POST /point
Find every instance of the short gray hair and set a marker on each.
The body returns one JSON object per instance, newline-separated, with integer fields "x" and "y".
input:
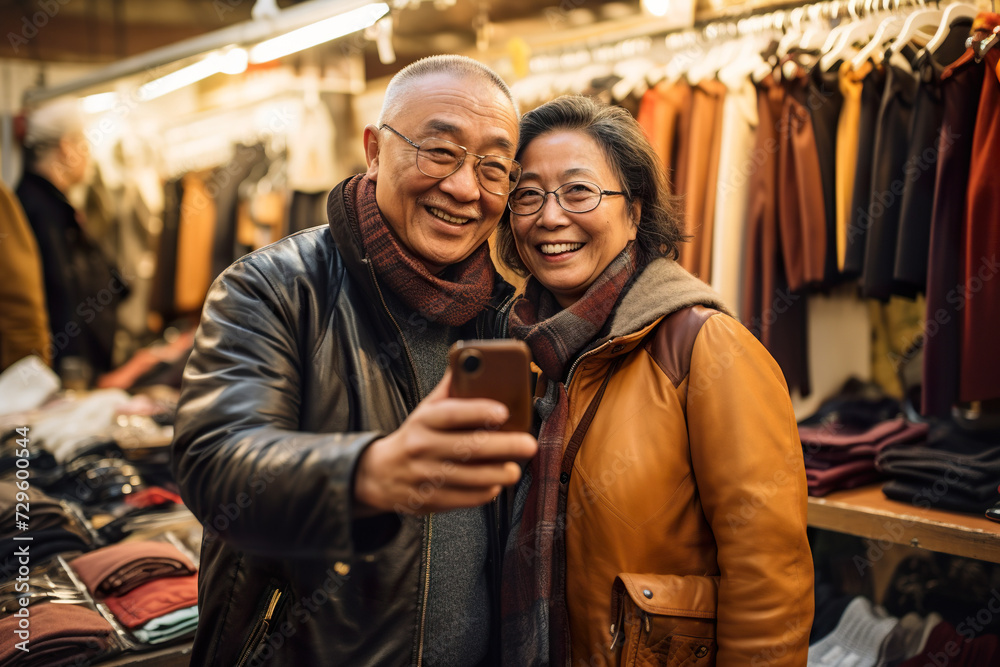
{"x": 441, "y": 64}
{"x": 47, "y": 124}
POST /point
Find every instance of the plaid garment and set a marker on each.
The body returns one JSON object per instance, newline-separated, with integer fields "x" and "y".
{"x": 452, "y": 301}
{"x": 535, "y": 627}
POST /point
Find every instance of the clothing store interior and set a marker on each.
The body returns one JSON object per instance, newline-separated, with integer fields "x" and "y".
{"x": 833, "y": 161}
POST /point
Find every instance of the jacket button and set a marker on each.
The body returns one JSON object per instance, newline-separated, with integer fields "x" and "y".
{"x": 648, "y": 593}
{"x": 701, "y": 652}
{"x": 341, "y": 568}
{"x": 564, "y": 477}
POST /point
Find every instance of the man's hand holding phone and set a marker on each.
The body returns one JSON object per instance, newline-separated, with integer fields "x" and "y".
{"x": 450, "y": 452}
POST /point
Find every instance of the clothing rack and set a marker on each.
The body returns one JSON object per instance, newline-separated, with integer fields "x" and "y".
{"x": 709, "y": 26}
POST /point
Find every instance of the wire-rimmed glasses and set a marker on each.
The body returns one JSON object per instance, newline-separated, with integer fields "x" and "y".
{"x": 440, "y": 158}
{"x": 574, "y": 197}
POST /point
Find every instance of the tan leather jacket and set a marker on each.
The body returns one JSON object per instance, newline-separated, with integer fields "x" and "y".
{"x": 686, "y": 506}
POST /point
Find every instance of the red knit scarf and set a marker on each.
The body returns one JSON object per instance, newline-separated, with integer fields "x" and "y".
{"x": 535, "y": 627}
{"x": 452, "y": 301}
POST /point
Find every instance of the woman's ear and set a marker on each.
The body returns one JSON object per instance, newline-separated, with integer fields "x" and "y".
{"x": 371, "y": 151}
{"x": 635, "y": 215}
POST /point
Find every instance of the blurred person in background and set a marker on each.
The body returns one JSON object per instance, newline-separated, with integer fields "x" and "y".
{"x": 82, "y": 289}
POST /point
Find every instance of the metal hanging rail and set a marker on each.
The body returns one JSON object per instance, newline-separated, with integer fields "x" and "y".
{"x": 247, "y": 32}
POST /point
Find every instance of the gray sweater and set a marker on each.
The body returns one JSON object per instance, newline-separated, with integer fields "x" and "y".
{"x": 458, "y": 602}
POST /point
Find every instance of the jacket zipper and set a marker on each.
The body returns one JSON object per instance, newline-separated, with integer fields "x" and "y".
{"x": 501, "y": 314}
{"x": 402, "y": 339}
{"x": 569, "y": 376}
{"x": 416, "y": 383}
{"x": 260, "y": 628}
{"x": 427, "y": 586}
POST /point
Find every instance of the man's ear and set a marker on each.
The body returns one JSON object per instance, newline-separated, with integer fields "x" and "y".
{"x": 371, "y": 151}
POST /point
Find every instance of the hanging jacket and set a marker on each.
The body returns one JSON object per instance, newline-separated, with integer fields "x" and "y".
{"x": 24, "y": 321}
{"x": 297, "y": 368}
{"x": 688, "y": 490}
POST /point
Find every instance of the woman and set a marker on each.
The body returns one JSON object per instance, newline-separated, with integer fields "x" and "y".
{"x": 664, "y": 517}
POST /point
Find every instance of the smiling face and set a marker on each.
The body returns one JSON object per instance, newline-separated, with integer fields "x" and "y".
{"x": 566, "y": 252}
{"x": 441, "y": 221}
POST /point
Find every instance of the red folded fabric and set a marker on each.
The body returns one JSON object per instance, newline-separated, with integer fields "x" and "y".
{"x": 119, "y": 568}
{"x": 60, "y": 635}
{"x": 154, "y": 599}
{"x": 152, "y": 496}
{"x": 839, "y": 437}
{"x": 845, "y": 476}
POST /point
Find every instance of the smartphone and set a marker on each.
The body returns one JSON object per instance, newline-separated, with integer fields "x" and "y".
{"x": 497, "y": 369}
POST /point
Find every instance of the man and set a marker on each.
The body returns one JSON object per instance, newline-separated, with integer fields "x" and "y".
{"x": 309, "y": 441}
{"x": 82, "y": 290}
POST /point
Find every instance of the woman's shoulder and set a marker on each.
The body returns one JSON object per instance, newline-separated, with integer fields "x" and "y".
{"x": 672, "y": 342}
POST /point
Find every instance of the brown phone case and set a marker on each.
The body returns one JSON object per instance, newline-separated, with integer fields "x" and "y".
{"x": 497, "y": 369}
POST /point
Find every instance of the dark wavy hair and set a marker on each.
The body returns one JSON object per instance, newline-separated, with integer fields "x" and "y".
{"x": 630, "y": 156}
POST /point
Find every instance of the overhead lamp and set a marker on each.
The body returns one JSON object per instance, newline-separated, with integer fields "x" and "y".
{"x": 99, "y": 103}
{"x": 233, "y": 61}
{"x": 656, "y": 7}
{"x": 318, "y": 33}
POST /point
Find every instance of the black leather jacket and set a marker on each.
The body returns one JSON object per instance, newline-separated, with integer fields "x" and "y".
{"x": 297, "y": 367}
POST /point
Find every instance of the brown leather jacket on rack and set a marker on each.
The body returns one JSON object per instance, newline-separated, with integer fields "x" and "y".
{"x": 24, "y": 322}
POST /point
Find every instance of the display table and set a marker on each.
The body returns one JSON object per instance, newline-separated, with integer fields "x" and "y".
{"x": 866, "y": 512}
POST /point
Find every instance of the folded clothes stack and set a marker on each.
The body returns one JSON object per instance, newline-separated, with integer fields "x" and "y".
{"x": 50, "y": 529}
{"x": 868, "y": 636}
{"x": 68, "y": 426}
{"x": 946, "y": 645}
{"x": 857, "y": 639}
{"x": 839, "y": 456}
{"x": 953, "y": 470}
{"x": 169, "y": 626}
{"x": 61, "y": 634}
{"x": 150, "y": 587}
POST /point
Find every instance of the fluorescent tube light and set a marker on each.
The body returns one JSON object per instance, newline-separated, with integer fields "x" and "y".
{"x": 231, "y": 62}
{"x": 99, "y": 103}
{"x": 656, "y": 7}
{"x": 318, "y": 33}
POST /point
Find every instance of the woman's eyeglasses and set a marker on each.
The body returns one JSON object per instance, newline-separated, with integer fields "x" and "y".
{"x": 574, "y": 197}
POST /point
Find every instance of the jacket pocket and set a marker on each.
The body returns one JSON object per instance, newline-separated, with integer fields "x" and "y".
{"x": 664, "y": 619}
{"x": 265, "y": 621}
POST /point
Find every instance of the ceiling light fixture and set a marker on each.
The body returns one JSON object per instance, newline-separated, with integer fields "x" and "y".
{"x": 318, "y": 33}
{"x": 656, "y": 7}
{"x": 99, "y": 103}
{"x": 233, "y": 61}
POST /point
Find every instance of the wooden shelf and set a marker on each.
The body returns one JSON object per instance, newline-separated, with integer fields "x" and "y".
{"x": 866, "y": 512}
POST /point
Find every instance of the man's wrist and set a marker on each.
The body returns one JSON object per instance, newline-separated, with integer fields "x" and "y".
{"x": 365, "y": 493}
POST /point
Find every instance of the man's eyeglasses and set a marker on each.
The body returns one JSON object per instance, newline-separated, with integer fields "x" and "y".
{"x": 440, "y": 158}
{"x": 574, "y": 197}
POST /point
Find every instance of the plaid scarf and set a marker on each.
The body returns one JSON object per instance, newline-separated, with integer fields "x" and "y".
{"x": 535, "y": 626}
{"x": 453, "y": 302}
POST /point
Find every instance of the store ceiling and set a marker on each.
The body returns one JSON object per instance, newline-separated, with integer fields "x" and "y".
{"x": 100, "y": 31}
